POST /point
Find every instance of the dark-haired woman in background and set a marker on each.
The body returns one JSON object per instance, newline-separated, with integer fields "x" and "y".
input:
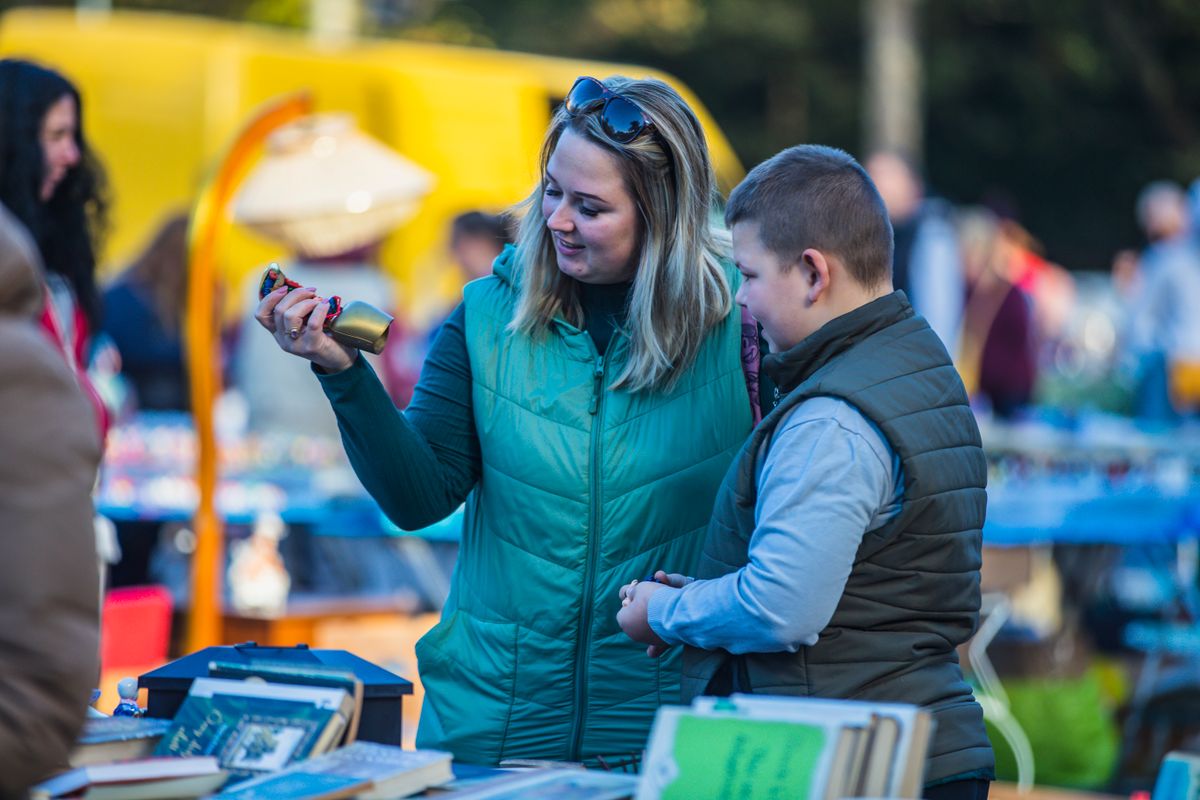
{"x": 51, "y": 182}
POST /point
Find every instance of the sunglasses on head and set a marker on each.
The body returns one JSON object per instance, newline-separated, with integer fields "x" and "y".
{"x": 620, "y": 118}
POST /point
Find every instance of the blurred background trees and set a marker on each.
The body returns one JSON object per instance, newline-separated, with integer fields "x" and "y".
{"x": 1054, "y": 112}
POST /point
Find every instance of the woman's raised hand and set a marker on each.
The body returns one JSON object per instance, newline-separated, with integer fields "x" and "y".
{"x": 284, "y": 313}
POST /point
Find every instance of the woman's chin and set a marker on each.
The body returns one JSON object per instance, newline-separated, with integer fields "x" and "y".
{"x": 572, "y": 267}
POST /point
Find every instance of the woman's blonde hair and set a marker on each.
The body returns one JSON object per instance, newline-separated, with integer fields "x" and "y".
{"x": 680, "y": 291}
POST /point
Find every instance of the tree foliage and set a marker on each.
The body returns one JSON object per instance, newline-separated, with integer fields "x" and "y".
{"x": 1058, "y": 112}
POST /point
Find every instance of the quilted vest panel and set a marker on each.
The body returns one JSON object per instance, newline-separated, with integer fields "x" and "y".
{"x": 583, "y": 488}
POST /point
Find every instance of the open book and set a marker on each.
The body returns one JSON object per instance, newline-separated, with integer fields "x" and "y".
{"x": 254, "y": 727}
{"x": 753, "y": 746}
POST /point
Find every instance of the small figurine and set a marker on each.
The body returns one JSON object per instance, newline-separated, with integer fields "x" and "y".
{"x": 128, "y": 707}
{"x": 258, "y": 578}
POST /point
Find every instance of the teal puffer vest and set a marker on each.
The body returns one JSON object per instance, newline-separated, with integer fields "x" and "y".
{"x": 913, "y": 594}
{"x": 582, "y": 489}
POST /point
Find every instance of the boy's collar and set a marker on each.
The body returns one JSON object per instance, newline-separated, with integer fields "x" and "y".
{"x": 790, "y": 368}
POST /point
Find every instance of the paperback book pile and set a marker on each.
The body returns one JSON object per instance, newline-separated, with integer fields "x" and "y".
{"x": 758, "y": 746}
{"x": 106, "y": 739}
{"x": 254, "y": 727}
{"x": 260, "y": 729}
{"x": 549, "y": 784}
{"x": 140, "y": 779}
{"x": 364, "y": 770}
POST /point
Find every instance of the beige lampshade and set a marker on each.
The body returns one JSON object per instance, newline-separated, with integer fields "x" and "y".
{"x": 323, "y": 188}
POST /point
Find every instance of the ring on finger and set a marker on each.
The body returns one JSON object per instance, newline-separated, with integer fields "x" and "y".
{"x": 294, "y": 333}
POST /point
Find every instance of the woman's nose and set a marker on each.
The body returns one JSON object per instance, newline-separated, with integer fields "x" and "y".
{"x": 70, "y": 153}
{"x": 559, "y": 219}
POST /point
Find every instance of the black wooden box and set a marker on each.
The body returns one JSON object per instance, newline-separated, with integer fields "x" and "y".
{"x": 383, "y": 691}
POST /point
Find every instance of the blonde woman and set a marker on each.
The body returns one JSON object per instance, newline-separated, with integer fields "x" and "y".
{"x": 586, "y": 400}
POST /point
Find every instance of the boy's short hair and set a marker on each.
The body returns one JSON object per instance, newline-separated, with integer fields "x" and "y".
{"x": 820, "y": 197}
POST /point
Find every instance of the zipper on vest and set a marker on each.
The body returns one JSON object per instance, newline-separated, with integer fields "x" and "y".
{"x": 597, "y": 385}
{"x": 589, "y": 568}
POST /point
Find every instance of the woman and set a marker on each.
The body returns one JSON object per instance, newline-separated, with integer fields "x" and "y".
{"x": 52, "y": 184}
{"x": 588, "y": 397}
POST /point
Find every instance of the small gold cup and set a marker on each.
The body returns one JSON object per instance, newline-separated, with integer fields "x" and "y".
{"x": 362, "y": 326}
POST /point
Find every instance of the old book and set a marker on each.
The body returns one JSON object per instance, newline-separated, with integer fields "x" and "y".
{"x": 846, "y": 766}
{"x": 254, "y": 727}
{"x": 719, "y": 752}
{"x": 365, "y": 770}
{"x": 142, "y": 779}
{"x": 1178, "y": 777}
{"x": 299, "y": 674}
{"x": 880, "y": 761}
{"x": 106, "y": 739}
{"x": 897, "y": 747}
{"x": 545, "y": 784}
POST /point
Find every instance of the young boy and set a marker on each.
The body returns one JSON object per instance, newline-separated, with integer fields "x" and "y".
{"x": 843, "y": 555}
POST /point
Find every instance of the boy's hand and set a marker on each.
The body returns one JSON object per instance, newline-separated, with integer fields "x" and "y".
{"x": 632, "y": 616}
{"x": 673, "y": 579}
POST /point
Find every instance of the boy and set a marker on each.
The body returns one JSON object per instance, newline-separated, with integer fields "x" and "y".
{"x": 843, "y": 555}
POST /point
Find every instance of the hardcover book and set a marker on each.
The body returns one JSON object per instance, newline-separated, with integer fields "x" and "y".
{"x": 364, "y": 770}
{"x": 106, "y": 739}
{"x": 299, "y": 674}
{"x": 143, "y": 779}
{"x": 758, "y": 746}
{"x": 551, "y": 784}
{"x": 253, "y": 727}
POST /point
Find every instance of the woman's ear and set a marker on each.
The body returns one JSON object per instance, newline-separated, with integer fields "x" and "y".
{"x": 816, "y": 273}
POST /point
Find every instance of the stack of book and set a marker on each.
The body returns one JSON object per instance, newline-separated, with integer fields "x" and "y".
{"x": 364, "y": 770}
{"x": 757, "y": 746}
{"x": 263, "y": 730}
{"x": 256, "y": 730}
{"x": 139, "y": 779}
{"x": 106, "y": 739}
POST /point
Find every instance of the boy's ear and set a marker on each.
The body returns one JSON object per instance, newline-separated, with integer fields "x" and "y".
{"x": 816, "y": 273}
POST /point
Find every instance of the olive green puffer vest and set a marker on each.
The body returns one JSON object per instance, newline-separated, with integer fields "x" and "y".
{"x": 582, "y": 489}
{"x": 913, "y": 594}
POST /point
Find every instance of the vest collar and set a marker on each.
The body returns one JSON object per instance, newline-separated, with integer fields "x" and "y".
{"x": 791, "y": 368}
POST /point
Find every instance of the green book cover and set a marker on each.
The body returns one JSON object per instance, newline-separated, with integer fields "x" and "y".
{"x": 251, "y": 727}
{"x": 697, "y": 756}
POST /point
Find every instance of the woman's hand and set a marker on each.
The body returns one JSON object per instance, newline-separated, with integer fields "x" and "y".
{"x": 283, "y": 314}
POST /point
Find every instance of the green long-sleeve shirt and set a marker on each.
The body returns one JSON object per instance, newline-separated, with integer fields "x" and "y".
{"x": 419, "y": 464}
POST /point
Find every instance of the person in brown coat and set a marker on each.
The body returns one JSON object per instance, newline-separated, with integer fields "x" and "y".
{"x": 49, "y": 586}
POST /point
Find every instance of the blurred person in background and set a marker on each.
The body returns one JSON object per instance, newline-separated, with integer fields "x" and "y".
{"x": 51, "y": 182}
{"x": 144, "y": 308}
{"x": 1163, "y": 334}
{"x": 49, "y": 598}
{"x": 998, "y": 358}
{"x": 585, "y": 400}
{"x": 926, "y": 263}
{"x": 1048, "y": 286}
{"x": 476, "y": 239}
